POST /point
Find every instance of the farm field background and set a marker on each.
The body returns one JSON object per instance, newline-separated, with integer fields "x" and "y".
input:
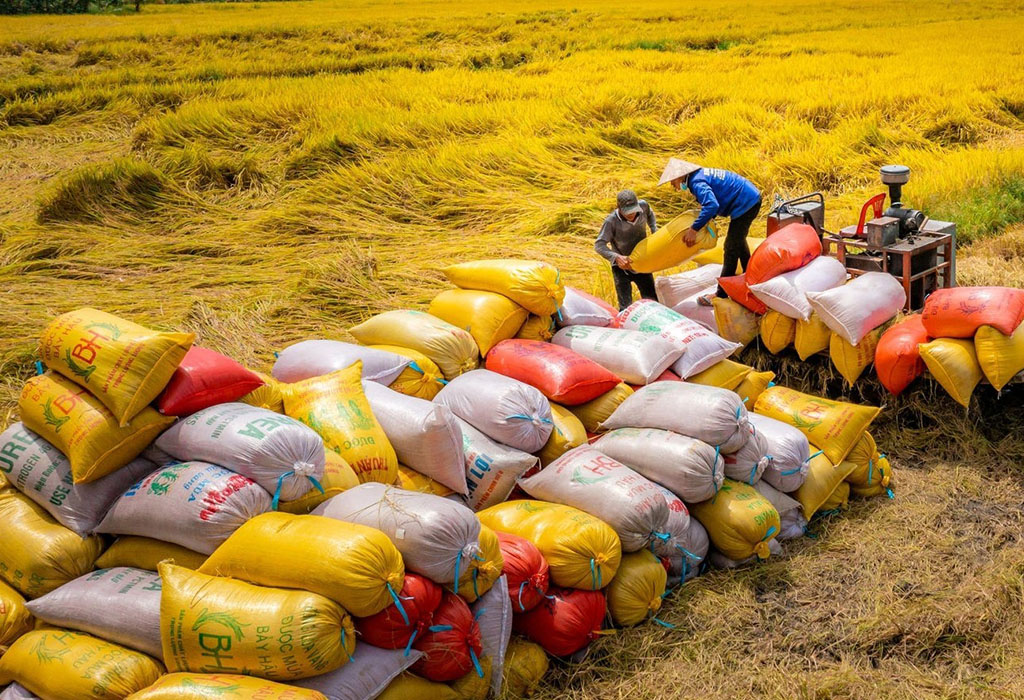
{"x": 264, "y": 173}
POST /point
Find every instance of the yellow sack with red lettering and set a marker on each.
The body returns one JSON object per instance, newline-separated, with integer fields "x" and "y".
{"x": 636, "y": 592}
{"x": 421, "y": 378}
{"x": 534, "y": 285}
{"x": 220, "y": 625}
{"x": 489, "y": 317}
{"x": 485, "y": 568}
{"x": 146, "y": 553}
{"x": 852, "y": 360}
{"x": 953, "y": 362}
{"x": 777, "y": 331}
{"x": 83, "y": 429}
{"x": 121, "y": 363}
{"x": 739, "y": 520}
{"x": 725, "y": 374}
{"x": 596, "y": 411}
{"x": 567, "y": 432}
{"x": 15, "y": 619}
{"x": 267, "y": 396}
{"x": 335, "y": 406}
{"x": 205, "y": 686}
{"x": 526, "y": 663}
{"x": 752, "y": 386}
{"x": 812, "y": 336}
{"x": 338, "y": 477}
{"x": 665, "y": 248}
{"x": 412, "y": 480}
{"x": 735, "y": 323}
{"x": 823, "y": 478}
{"x": 60, "y": 665}
{"x": 537, "y": 328}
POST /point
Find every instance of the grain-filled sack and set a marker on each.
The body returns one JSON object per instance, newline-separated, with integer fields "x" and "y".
{"x": 852, "y": 360}
{"x": 787, "y": 293}
{"x": 531, "y": 284}
{"x": 425, "y": 435}
{"x": 859, "y": 306}
{"x": 504, "y": 409}
{"x": 1001, "y": 356}
{"x": 694, "y": 309}
{"x": 753, "y": 385}
{"x": 484, "y": 570}
{"x": 712, "y": 415}
{"x": 739, "y": 291}
{"x": 674, "y": 289}
{"x": 897, "y": 357}
{"x": 493, "y": 613}
{"x": 568, "y": 620}
{"x": 792, "y": 523}
{"x": 412, "y": 480}
{"x": 839, "y": 500}
{"x": 492, "y": 469}
{"x": 812, "y": 336}
{"x": 36, "y": 553}
{"x": 267, "y": 395}
{"x": 451, "y": 645}
{"x": 537, "y": 328}
{"x": 862, "y": 453}
{"x": 636, "y": 592}
{"x": 777, "y": 331}
{"x": 682, "y": 547}
{"x": 146, "y": 553}
{"x": 725, "y": 374}
{"x": 41, "y": 472}
{"x": 210, "y": 624}
{"x": 734, "y": 322}
{"x": 689, "y": 468}
{"x": 84, "y": 430}
{"x": 701, "y": 347}
{"x": 593, "y": 413}
{"x": 526, "y": 664}
{"x": 719, "y": 561}
{"x": 836, "y": 426}
{"x": 338, "y": 477}
{"x": 582, "y": 309}
{"x": 953, "y": 362}
{"x": 397, "y": 625}
{"x": 638, "y": 358}
{"x": 567, "y": 432}
{"x": 697, "y": 547}
{"x": 353, "y": 565}
{"x": 336, "y": 407}
{"x": 124, "y": 365}
{"x": 666, "y": 248}
{"x": 62, "y": 665}
{"x": 409, "y": 686}
{"x": 739, "y": 520}
{"x": 749, "y": 462}
{"x": 525, "y": 570}
{"x": 562, "y": 375}
{"x": 581, "y": 550}
{"x": 872, "y": 478}
{"x": 789, "y": 248}
{"x": 490, "y": 318}
{"x": 203, "y": 686}
{"x": 120, "y": 605}
{"x": 788, "y": 449}
{"x": 15, "y": 619}
{"x": 279, "y": 453}
{"x": 437, "y": 537}
{"x": 452, "y": 349}
{"x": 421, "y": 378}
{"x": 365, "y": 676}
{"x": 959, "y": 312}
{"x": 315, "y": 358}
{"x": 587, "y": 479}
{"x": 823, "y": 477}
{"x": 205, "y": 378}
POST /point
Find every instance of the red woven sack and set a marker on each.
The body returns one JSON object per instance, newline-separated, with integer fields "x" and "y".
{"x": 789, "y": 248}
{"x": 568, "y": 620}
{"x": 526, "y": 570}
{"x": 564, "y": 376}
{"x": 959, "y": 312}
{"x": 394, "y": 627}
{"x": 205, "y": 378}
{"x": 897, "y": 360}
{"x": 738, "y": 290}
{"x": 451, "y": 645}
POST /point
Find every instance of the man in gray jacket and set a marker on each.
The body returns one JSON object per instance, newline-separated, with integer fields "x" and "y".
{"x": 621, "y": 231}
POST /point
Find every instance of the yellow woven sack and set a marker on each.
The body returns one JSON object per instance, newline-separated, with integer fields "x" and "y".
{"x": 596, "y": 411}
{"x": 524, "y": 669}
{"x": 1001, "y": 356}
{"x": 205, "y": 686}
{"x": 665, "y": 247}
{"x": 812, "y": 336}
{"x": 410, "y": 687}
{"x": 15, "y": 619}
{"x": 852, "y": 360}
{"x": 452, "y": 349}
{"x": 637, "y": 589}
{"x": 567, "y": 432}
{"x": 485, "y": 570}
{"x": 753, "y": 385}
{"x": 954, "y": 365}
{"x": 537, "y": 328}
{"x": 412, "y": 480}
{"x": 739, "y": 520}
{"x": 881, "y": 481}
{"x": 823, "y": 477}
{"x": 725, "y": 374}
{"x": 863, "y": 451}
{"x": 473, "y": 686}
{"x": 146, "y": 553}
{"x": 714, "y": 255}
{"x": 267, "y": 396}
{"x": 581, "y": 551}
{"x": 872, "y": 467}
{"x": 335, "y": 406}
{"x": 338, "y": 477}
{"x": 355, "y": 566}
{"x": 76, "y": 423}
{"x": 219, "y": 625}
{"x": 490, "y": 318}
{"x": 60, "y": 665}
{"x": 735, "y": 323}
{"x": 777, "y": 331}
{"x": 533, "y": 285}
{"x": 835, "y": 426}
{"x": 839, "y": 500}
{"x": 37, "y": 554}
{"x": 421, "y": 378}
{"x": 121, "y": 363}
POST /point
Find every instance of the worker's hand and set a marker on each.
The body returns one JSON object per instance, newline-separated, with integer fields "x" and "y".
{"x": 623, "y": 262}
{"x": 690, "y": 237}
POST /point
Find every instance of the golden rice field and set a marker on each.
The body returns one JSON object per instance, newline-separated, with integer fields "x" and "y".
{"x": 262, "y": 173}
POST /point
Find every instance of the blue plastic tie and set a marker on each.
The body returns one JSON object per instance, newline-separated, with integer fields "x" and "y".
{"x": 789, "y": 472}
{"x": 39, "y": 367}
{"x": 595, "y": 576}
{"x": 412, "y": 638}
{"x": 458, "y": 565}
{"x": 478, "y": 613}
{"x": 753, "y": 474}
{"x": 440, "y": 628}
{"x": 398, "y": 604}
{"x": 415, "y": 367}
{"x": 530, "y": 418}
{"x": 476, "y": 591}
{"x": 770, "y": 385}
{"x": 476, "y": 662}
{"x": 277, "y": 491}
{"x": 667, "y": 625}
{"x": 343, "y": 647}
{"x": 522, "y": 608}
{"x": 889, "y": 493}
{"x": 816, "y": 454}
{"x": 871, "y": 469}
{"x": 276, "y": 354}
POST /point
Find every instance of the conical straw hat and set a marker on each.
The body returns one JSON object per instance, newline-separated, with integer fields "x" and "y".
{"x": 677, "y": 167}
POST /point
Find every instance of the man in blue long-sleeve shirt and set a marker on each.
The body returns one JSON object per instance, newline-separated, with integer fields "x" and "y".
{"x": 720, "y": 193}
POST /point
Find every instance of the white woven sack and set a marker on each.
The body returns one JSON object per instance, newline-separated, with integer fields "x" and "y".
{"x": 673, "y": 545}
{"x": 366, "y": 675}
{"x": 788, "y": 448}
{"x": 691, "y": 308}
{"x": 673, "y": 289}
{"x": 493, "y": 613}
{"x": 859, "y": 306}
{"x": 492, "y": 469}
{"x": 315, "y": 358}
{"x": 502, "y": 408}
{"x": 637, "y": 358}
{"x": 793, "y": 524}
{"x": 597, "y": 484}
{"x": 16, "y": 692}
{"x": 787, "y": 293}
{"x": 578, "y": 310}
{"x": 749, "y": 462}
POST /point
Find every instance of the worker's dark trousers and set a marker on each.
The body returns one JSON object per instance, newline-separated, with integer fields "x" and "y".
{"x": 623, "y": 285}
{"x": 736, "y": 249}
